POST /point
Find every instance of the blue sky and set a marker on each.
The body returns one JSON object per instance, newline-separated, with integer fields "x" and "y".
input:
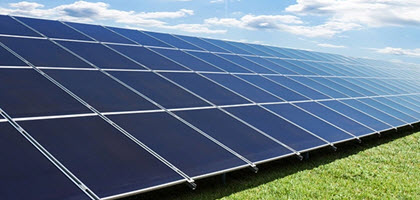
{"x": 380, "y": 29}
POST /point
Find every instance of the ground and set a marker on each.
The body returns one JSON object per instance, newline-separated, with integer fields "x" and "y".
{"x": 386, "y": 167}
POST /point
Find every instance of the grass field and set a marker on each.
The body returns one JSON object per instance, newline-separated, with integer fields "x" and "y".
{"x": 379, "y": 168}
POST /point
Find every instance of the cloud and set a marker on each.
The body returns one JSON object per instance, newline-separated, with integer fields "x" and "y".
{"x": 100, "y": 12}
{"x": 217, "y": 1}
{"x": 331, "y": 45}
{"x": 399, "y": 51}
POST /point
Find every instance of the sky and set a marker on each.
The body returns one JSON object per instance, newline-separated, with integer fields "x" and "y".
{"x": 378, "y": 29}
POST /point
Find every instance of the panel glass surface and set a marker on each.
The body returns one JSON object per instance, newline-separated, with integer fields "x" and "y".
{"x": 99, "y": 33}
{"x": 318, "y": 86}
{"x": 335, "y": 118}
{"x": 43, "y": 53}
{"x": 309, "y": 67}
{"x": 9, "y": 26}
{"x": 181, "y": 145}
{"x": 206, "y": 89}
{"x": 268, "y": 50}
{"x": 302, "y": 89}
{"x": 148, "y": 58}
{"x": 247, "y": 63}
{"x": 309, "y": 122}
{"x": 140, "y": 37}
{"x": 202, "y": 44}
{"x": 291, "y": 67}
{"x": 225, "y": 45}
{"x": 172, "y": 40}
{"x": 26, "y": 174}
{"x": 241, "y": 138}
{"x": 249, "y": 91}
{"x": 327, "y": 82}
{"x": 276, "y": 127}
{"x": 248, "y": 48}
{"x": 357, "y": 115}
{"x": 389, "y": 110}
{"x": 219, "y": 62}
{"x": 101, "y": 56}
{"x": 270, "y": 65}
{"x": 159, "y": 90}
{"x": 401, "y": 106}
{"x": 53, "y": 29}
{"x": 108, "y": 162}
{"x": 187, "y": 60}
{"x": 100, "y": 91}
{"x": 25, "y": 93}
{"x": 8, "y": 59}
{"x": 374, "y": 112}
{"x": 274, "y": 88}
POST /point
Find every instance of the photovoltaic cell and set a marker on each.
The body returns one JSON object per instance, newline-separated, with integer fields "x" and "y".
{"x": 99, "y": 33}
{"x": 399, "y": 106}
{"x": 187, "y": 60}
{"x": 172, "y": 40}
{"x": 202, "y": 44}
{"x": 53, "y": 29}
{"x": 219, "y": 62}
{"x": 140, "y": 37}
{"x": 43, "y": 53}
{"x": 291, "y": 67}
{"x": 248, "y": 48}
{"x": 389, "y": 110}
{"x": 8, "y": 59}
{"x": 243, "y": 88}
{"x": 270, "y": 65}
{"x": 119, "y": 164}
{"x": 26, "y": 174}
{"x": 100, "y": 55}
{"x": 206, "y": 89}
{"x": 148, "y": 58}
{"x": 278, "y": 128}
{"x": 89, "y": 85}
{"x": 160, "y": 90}
{"x": 25, "y": 93}
{"x": 227, "y": 46}
{"x": 302, "y": 89}
{"x": 239, "y": 60}
{"x": 309, "y": 122}
{"x": 184, "y": 147}
{"x": 234, "y": 134}
{"x": 9, "y": 26}
{"x": 318, "y": 86}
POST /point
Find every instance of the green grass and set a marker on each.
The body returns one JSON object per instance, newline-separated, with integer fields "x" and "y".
{"x": 379, "y": 168}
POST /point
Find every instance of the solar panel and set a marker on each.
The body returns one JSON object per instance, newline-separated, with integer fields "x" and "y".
{"x": 104, "y": 112}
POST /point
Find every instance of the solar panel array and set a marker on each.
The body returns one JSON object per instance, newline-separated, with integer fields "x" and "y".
{"x": 101, "y": 112}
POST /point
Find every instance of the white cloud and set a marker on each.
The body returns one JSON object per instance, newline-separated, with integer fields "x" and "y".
{"x": 331, "y": 45}
{"x": 399, "y": 51}
{"x": 254, "y": 22}
{"x": 82, "y": 11}
{"x": 217, "y": 1}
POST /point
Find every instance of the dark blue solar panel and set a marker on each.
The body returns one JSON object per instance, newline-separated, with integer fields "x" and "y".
{"x": 356, "y": 115}
{"x": 353, "y": 86}
{"x": 309, "y": 68}
{"x": 8, "y": 59}
{"x": 399, "y": 105}
{"x": 389, "y": 110}
{"x": 249, "y": 91}
{"x": 320, "y": 87}
{"x": 274, "y": 88}
{"x": 25, "y": 93}
{"x": 327, "y": 82}
{"x": 247, "y": 64}
{"x": 302, "y": 89}
{"x": 206, "y": 89}
{"x": 270, "y": 65}
{"x": 187, "y": 60}
{"x": 227, "y": 46}
{"x": 276, "y": 127}
{"x": 43, "y": 53}
{"x": 356, "y": 81}
{"x": 148, "y": 58}
{"x": 181, "y": 145}
{"x": 9, "y": 26}
{"x": 202, "y": 44}
{"x": 100, "y": 91}
{"x": 219, "y": 62}
{"x": 174, "y": 41}
{"x": 335, "y": 118}
{"x": 140, "y": 37}
{"x": 374, "y": 112}
{"x": 234, "y": 134}
{"x": 403, "y": 101}
{"x": 53, "y": 29}
{"x": 291, "y": 67}
{"x": 100, "y": 33}
{"x": 285, "y": 52}
{"x": 248, "y": 48}
{"x": 160, "y": 90}
{"x": 268, "y": 50}
{"x": 26, "y": 174}
{"x": 108, "y": 162}
{"x": 101, "y": 56}
{"x": 309, "y": 122}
